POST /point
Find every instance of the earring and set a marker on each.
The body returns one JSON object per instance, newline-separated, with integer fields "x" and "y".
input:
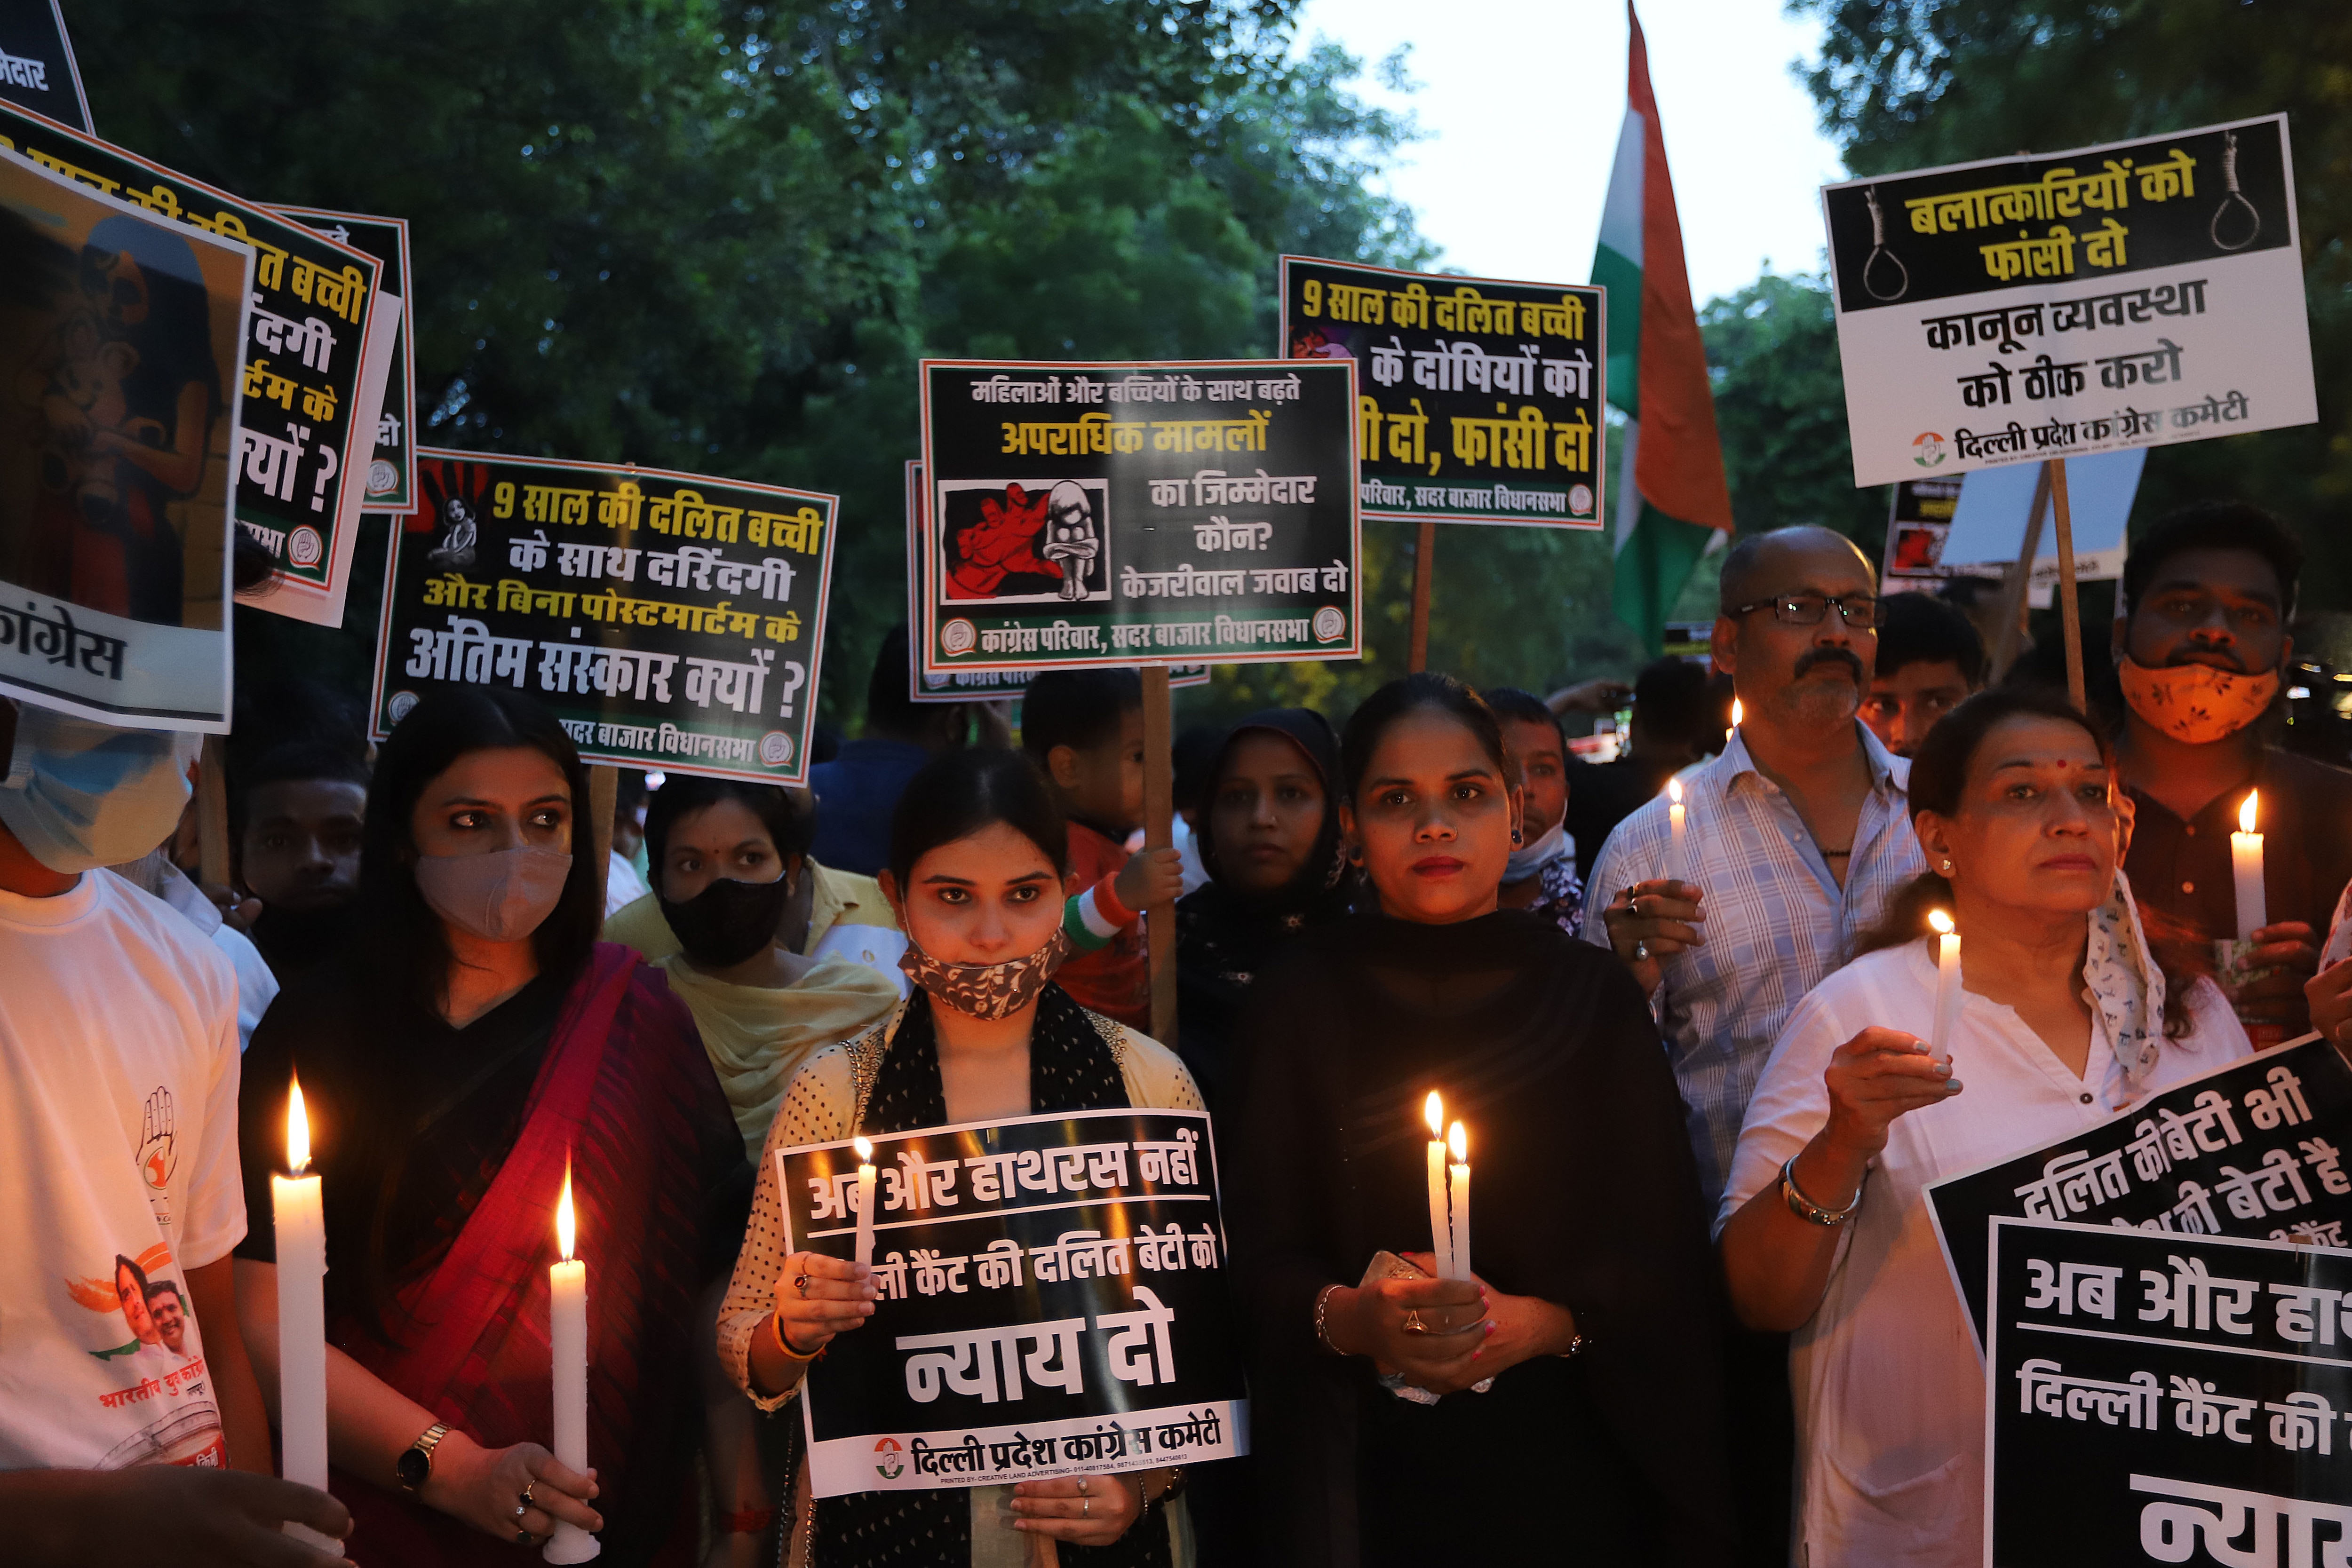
{"x": 1948, "y": 868}
{"x": 1518, "y": 837}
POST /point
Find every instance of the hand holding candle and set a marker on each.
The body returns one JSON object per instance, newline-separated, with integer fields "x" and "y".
{"x": 2246, "y": 869}
{"x": 301, "y": 1236}
{"x": 567, "y": 1313}
{"x": 1433, "y": 1109}
{"x": 865, "y": 1201}
{"x": 1948, "y": 983}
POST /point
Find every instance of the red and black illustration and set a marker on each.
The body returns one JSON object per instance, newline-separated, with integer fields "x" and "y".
{"x": 1025, "y": 543}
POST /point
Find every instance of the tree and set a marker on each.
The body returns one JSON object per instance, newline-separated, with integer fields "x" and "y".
{"x": 1907, "y": 83}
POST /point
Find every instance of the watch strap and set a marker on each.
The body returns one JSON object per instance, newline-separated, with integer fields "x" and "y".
{"x": 416, "y": 1459}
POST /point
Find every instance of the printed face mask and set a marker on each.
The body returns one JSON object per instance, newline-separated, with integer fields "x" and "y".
{"x": 80, "y": 795}
{"x": 728, "y": 921}
{"x": 2197, "y": 704}
{"x": 1529, "y": 859}
{"x": 986, "y": 991}
{"x": 501, "y": 897}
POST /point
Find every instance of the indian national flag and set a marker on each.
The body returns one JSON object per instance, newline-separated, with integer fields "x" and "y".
{"x": 1671, "y": 499}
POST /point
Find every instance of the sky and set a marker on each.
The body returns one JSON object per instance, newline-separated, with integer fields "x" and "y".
{"x": 1521, "y": 101}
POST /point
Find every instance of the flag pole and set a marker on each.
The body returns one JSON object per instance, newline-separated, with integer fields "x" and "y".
{"x": 1425, "y": 565}
{"x": 2070, "y": 613}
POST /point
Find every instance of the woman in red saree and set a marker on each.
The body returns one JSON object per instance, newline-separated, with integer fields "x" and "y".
{"x": 474, "y": 1042}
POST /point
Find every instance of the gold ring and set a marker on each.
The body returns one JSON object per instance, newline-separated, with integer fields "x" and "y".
{"x": 527, "y": 1490}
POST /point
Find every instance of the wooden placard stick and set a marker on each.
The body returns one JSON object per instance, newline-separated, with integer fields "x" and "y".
{"x": 2012, "y": 600}
{"x": 212, "y": 814}
{"x": 1424, "y": 563}
{"x": 604, "y": 790}
{"x": 2069, "y": 613}
{"x": 1159, "y": 811}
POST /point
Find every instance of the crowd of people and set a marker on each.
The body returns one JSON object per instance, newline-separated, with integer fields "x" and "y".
{"x": 1710, "y": 1321}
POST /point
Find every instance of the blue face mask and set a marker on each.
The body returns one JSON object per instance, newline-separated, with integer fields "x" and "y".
{"x": 80, "y": 795}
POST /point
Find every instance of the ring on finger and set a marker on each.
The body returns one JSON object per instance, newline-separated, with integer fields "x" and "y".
{"x": 1640, "y": 950}
{"x": 1085, "y": 1507}
{"x": 524, "y": 1537}
{"x": 527, "y": 1490}
{"x": 1413, "y": 1323}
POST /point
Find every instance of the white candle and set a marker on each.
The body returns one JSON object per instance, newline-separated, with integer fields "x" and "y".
{"x": 1948, "y": 981}
{"x": 301, "y": 1234}
{"x": 2246, "y": 866}
{"x": 567, "y": 1334}
{"x": 1439, "y": 1228}
{"x": 865, "y": 1201}
{"x": 1458, "y": 1252}
{"x": 1678, "y": 863}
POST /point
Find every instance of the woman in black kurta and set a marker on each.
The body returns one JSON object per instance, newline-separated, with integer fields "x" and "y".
{"x": 1600, "y": 1439}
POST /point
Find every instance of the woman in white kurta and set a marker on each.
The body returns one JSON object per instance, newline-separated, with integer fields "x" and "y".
{"x": 2066, "y": 1019}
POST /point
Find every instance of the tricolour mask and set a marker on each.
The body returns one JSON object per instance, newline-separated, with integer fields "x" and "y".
{"x": 986, "y": 991}
{"x": 501, "y": 897}
{"x": 728, "y": 921}
{"x": 80, "y": 795}
{"x": 2197, "y": 704}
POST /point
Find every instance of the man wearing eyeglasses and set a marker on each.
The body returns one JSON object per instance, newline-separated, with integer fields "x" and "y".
{"x": 2202, "y": 651}
{"x": 1795, "y": 839}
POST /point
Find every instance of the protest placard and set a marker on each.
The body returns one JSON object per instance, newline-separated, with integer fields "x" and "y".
{"x": 2256, "y": 1148}
{"x": 972, "y": 685}
{"x": 670, "y": 620}
{"x": 391, "y": 484}
{"x": 318, "y": 348}
{"x": 1052, "y": 1301}
{"x": 36, "y": 63}
{"x": 2134, "y": 294}
{"x": 1138, "y": 513}
{"x": 2165, "y": 1398}
{"x": 1480, "y": 398}
{"x": 121, "y": 332}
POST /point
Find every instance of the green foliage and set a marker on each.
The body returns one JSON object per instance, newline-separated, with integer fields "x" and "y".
{"x": 1780, "y": 405}
{"x": 1907, "y": 83}
{"x": 717, "y": 237}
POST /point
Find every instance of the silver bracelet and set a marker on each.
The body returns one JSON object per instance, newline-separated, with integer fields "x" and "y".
{"x": 1322, "y": 1328}
{"x": 1805, "y": 1208}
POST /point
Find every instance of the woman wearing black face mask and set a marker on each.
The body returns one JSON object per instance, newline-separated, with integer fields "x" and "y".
{"x": 453, "y": 1060}
{"x": 725, "y": 858}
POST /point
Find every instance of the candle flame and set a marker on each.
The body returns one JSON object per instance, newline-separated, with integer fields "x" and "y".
{"x": 2246, "y": 811}
{"x": 1736, "y": 713}
{"x": 1940, "y": 921}
{"x": 298, "y": 1129}
{"x": 1674, "y": 791}
{"x": 865, "y": 1151}
{"x": 1433, "y": 1109}
{"x": 1459, "y": 1142}
{"x": 564, "y": 1223}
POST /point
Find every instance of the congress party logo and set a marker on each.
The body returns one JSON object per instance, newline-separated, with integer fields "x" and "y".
{"x": 888, "y": 1462}
{"x": 1929, "y": 449}
{"x": 959, "y": 636}
{"x": 1330, "y": 623}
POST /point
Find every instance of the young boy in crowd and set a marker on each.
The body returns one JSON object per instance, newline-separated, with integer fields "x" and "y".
{"x": 1929, "y": 660}
{"x": 297, "y": 813}
{"x": 1085, "y": 728}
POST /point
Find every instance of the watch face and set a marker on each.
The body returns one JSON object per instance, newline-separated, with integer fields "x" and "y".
{"x": 414, "y": 1469}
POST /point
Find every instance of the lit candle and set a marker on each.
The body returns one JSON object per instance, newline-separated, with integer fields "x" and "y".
{"x": 2246, "y": 865}
{"x": 1439, "y": 1241}
{"x": 865, "y": 1201}
{"x": 301, "y": 1234}
{"x": 1458, "y": 1252}
{"x": 1947, "y": 980}
{"x": 567, "y": 1334}
{"x": 1736, "y": 713}
{"x": 1677, "y": 866}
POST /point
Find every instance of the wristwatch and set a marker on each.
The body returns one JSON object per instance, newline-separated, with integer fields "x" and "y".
{"x": 415, "y": 1466}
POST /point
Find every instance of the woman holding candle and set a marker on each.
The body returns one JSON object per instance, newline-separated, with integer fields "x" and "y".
{"x": 1586, "y": 1305}
{"x": 452, "y": 1062}
{"x": 978, "y": 860}
{"x": 2068, "y": 1013}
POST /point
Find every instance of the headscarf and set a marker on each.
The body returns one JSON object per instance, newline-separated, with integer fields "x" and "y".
{"x": 1325, "y": 866}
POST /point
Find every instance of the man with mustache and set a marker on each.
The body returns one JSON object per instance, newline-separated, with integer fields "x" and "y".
{"x": 2201, "y": 648}
{"x": 1795, "y": 839}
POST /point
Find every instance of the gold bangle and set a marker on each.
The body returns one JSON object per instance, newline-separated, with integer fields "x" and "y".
{"x": 776, "y": 1331}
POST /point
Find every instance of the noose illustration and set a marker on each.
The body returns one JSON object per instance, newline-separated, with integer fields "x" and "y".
{"x": 1871, "y": 274}
{"x": 2236, "y": 197}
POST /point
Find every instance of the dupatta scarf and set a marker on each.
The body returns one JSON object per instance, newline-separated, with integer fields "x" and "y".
{"x": 626, "y": 1099}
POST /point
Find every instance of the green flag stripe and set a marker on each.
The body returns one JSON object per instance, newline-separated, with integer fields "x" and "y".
{"x": 1623, "y": 279}
{"x": 1657, "y": 559}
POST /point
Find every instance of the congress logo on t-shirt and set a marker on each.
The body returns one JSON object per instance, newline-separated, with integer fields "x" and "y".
{"x": 159, "y": 1155}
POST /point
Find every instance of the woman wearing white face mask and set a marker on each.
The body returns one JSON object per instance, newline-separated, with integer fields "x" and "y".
{"x": 472, "y": 1045}
{"x": 978, "y": 859}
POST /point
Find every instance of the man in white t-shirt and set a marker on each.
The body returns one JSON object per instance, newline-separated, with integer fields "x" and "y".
{"x": 120, "y": 1189}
